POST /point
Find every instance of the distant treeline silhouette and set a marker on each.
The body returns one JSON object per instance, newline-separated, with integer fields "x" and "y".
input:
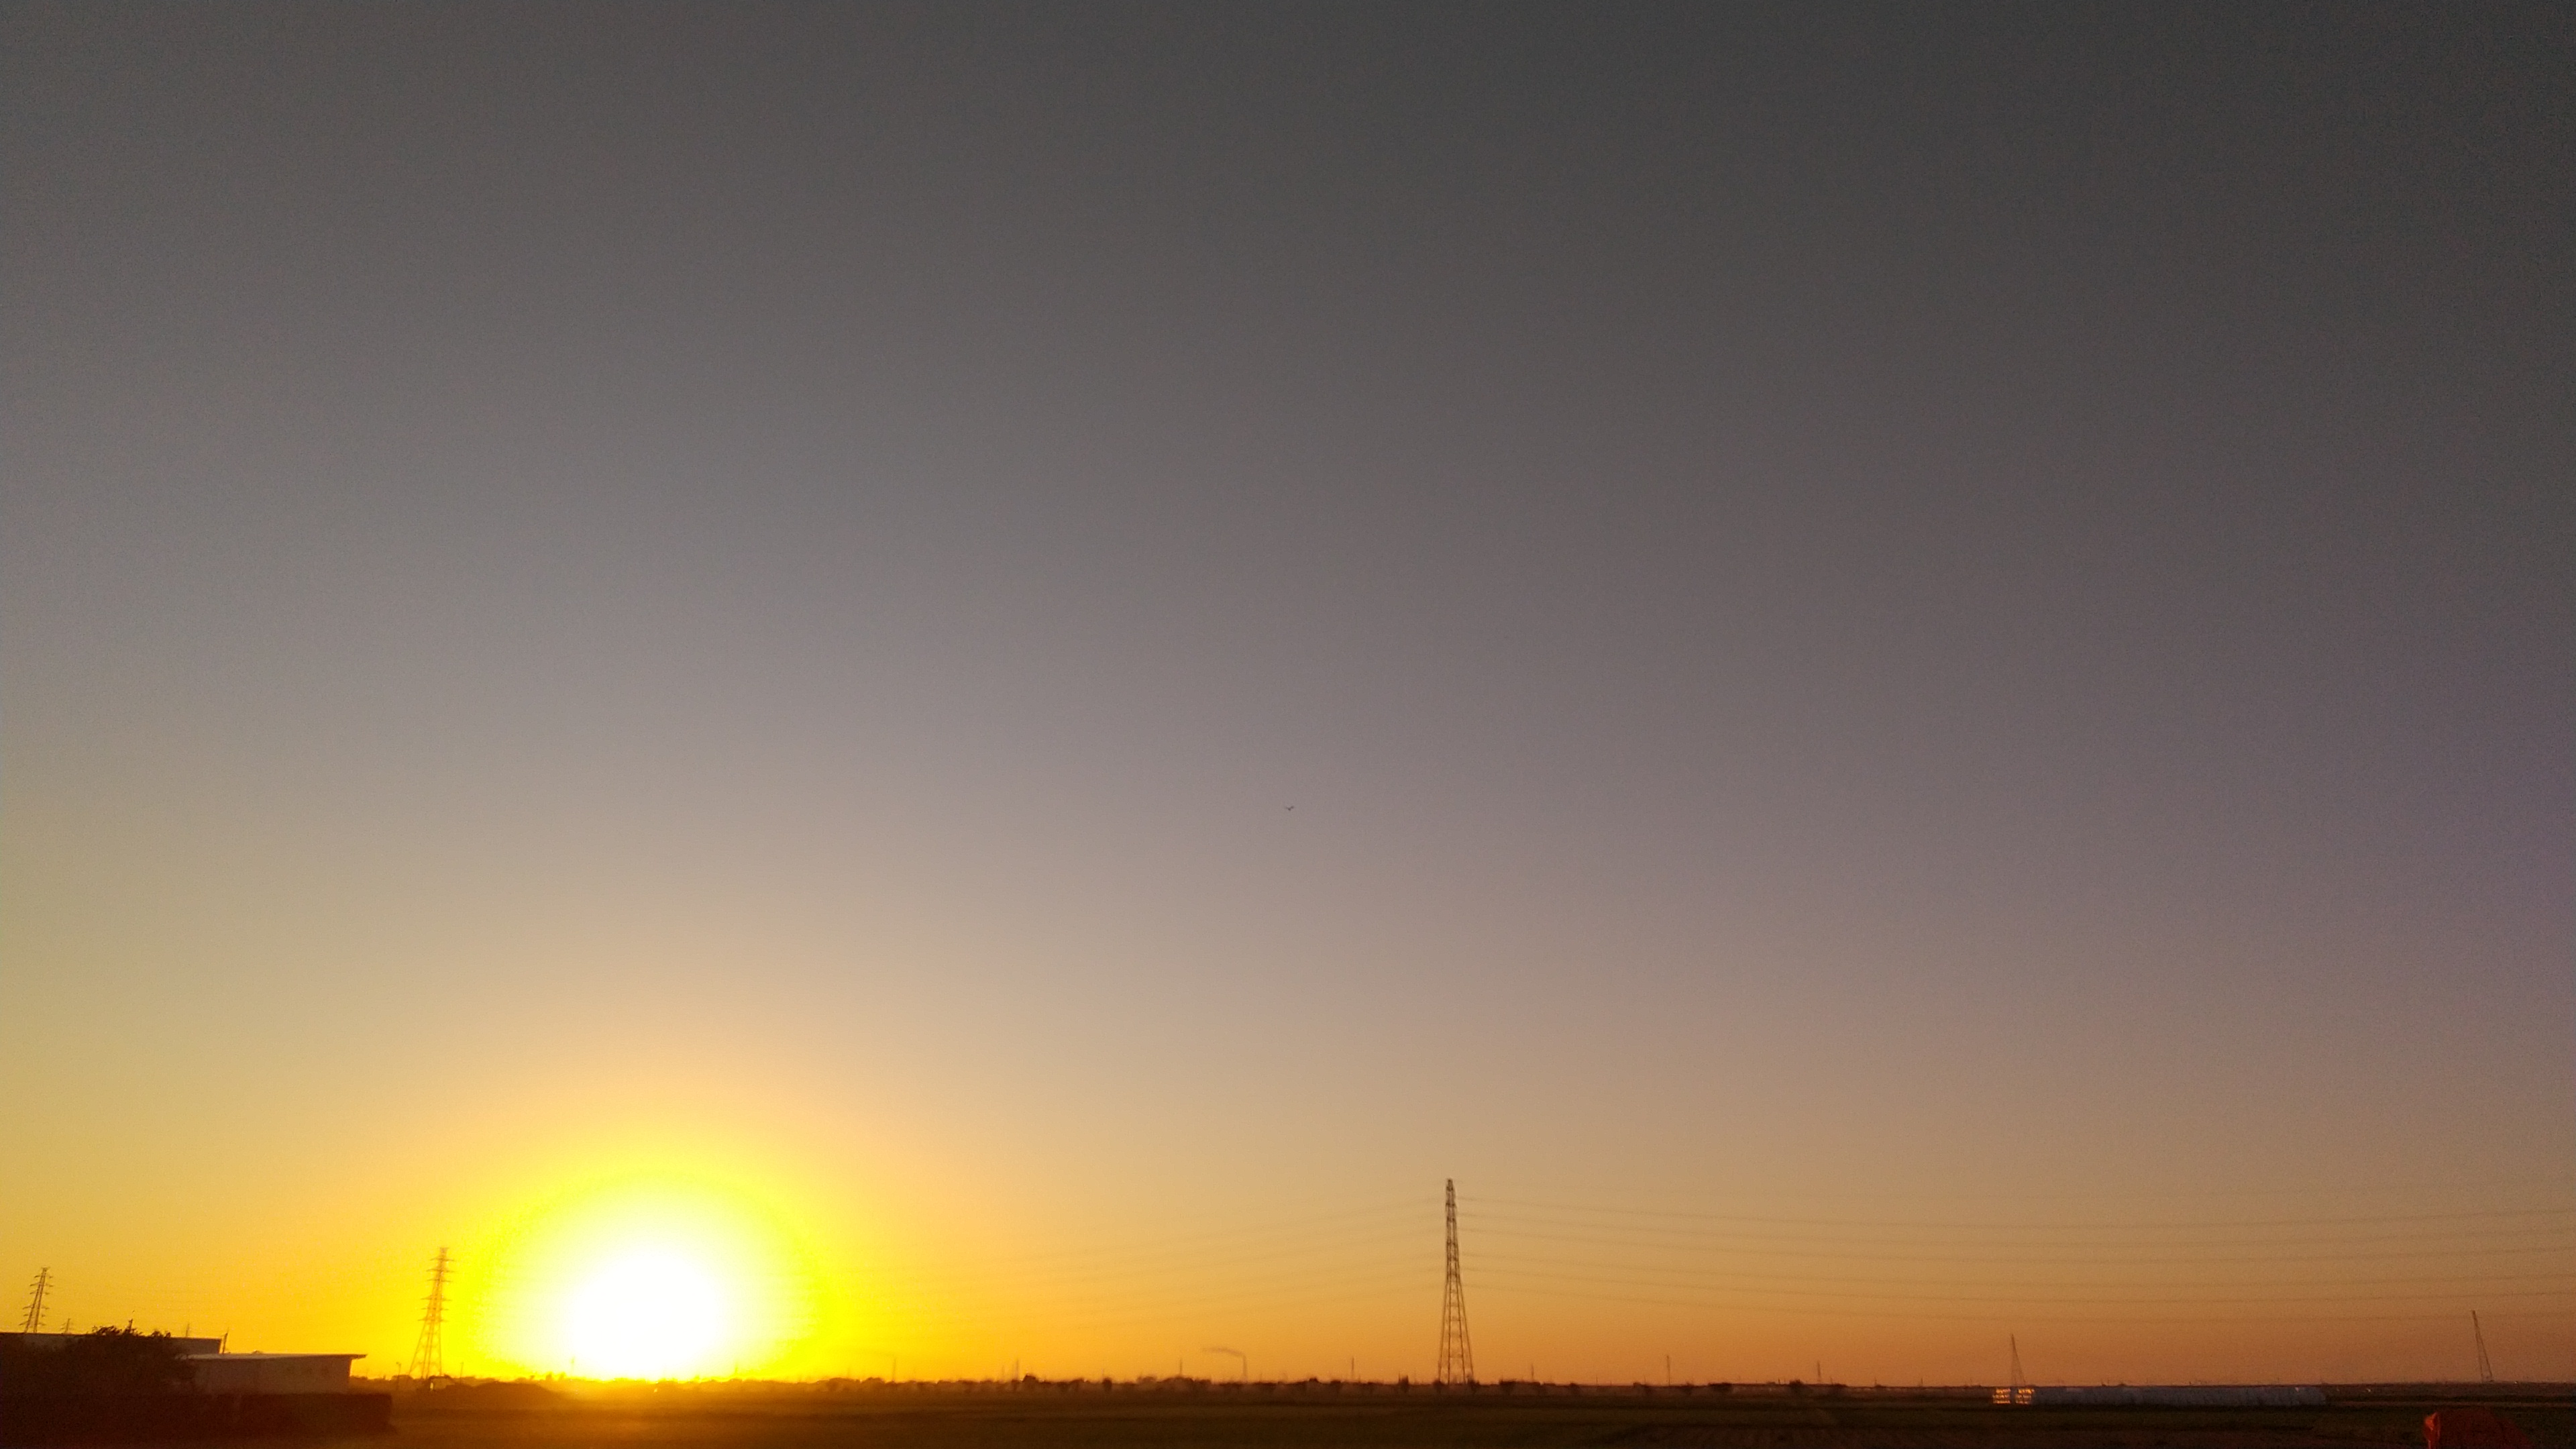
{"x": 102, "y": 1363}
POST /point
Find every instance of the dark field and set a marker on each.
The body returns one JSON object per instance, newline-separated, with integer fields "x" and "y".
{"x": 736, "y": 1418}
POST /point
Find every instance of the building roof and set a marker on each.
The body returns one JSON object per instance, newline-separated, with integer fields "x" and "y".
{"x": 186, "y": 1345}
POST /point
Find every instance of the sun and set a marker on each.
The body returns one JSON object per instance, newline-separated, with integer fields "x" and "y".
{"x": 647, "y": 1312}
{"x": 647, "y": 1276}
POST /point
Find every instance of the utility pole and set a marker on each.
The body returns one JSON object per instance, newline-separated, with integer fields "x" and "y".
{"x": 2486, "y": 1369}
{"x": 428, "y": 1352}
{"x": 1457, "y": 1356}
{"x": 45, "y": 1279}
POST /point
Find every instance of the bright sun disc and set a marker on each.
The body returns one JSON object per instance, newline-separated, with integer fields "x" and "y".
{"x": 647, "y": 1313}
{"x": 647, "y": 1276}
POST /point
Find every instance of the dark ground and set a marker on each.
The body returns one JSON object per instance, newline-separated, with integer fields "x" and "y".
{"x": 734, "y": 1418}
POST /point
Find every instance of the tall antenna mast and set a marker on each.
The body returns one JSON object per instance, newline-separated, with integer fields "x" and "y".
{"x": 2015, "y": 1341}
{"x": 2486, "y": 1369}
{"x": 45, "y": 1279}
{"x": 427, "y": 1354}
{"x": 1457, "y": 1358}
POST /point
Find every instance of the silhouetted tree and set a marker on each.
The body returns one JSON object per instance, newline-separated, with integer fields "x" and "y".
{"x": 103, "y": 1363}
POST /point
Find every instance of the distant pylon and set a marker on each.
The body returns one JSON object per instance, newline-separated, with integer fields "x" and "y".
{"x": 2015, "y": 1341}
{"x": 2486, "y": 1369}
{"x": 45, "y": 1279}
{"x": 1457, "y": 1358}
{"x": 427, "y": 1354}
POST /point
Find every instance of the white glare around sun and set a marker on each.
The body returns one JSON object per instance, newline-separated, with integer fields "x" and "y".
{"x": 648, "y": 1313}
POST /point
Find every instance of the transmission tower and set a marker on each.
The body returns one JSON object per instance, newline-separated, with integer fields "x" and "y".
{"x": 1457, "y": 1358}
{"x": 426, "y": 1355}
{"x": 2015, "y": 1341}
{"x": 2486, "y": 1369}
{"x": 45, "y": 1279}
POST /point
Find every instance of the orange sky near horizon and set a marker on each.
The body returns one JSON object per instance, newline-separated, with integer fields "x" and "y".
{"x": 932, "y": 1262}
{"x": 1750, "y": 1202}
{"x": 952, "y": 1180}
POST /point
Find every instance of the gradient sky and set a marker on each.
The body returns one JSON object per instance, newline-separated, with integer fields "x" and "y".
{"x": 1053, "y": 657}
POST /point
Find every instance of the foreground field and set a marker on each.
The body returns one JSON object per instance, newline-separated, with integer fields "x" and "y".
{"x": 690, "y": 1419}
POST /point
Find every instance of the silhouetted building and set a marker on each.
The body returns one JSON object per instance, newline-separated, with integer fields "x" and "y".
{"x": 273, "y": 1373}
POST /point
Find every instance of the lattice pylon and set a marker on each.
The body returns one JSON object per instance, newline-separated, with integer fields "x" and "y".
{"x": 36, "y": 1300}
{"x": 428, "y": 1352}
{"x": 1457, "y": 1355}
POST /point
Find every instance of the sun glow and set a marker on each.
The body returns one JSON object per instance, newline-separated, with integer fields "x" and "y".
{"x": 650, "y": 1278}
{"x": 647, "y": 1313}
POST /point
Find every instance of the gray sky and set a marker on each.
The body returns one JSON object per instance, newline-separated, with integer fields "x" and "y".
{"x": 1677, "y": 582}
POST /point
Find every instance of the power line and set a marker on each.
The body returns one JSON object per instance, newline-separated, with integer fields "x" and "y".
{"x": 1313, "y": 1226}
{"x": 1510, "y": 1262}
{"x": 1185, "y": 1312}
{"x": 1116, "y": 1270}
{"x": 2011, "y": 1257}
{"x": 2021, "y": 1316}
{"x": 2180, "y": 1235}
{"x": 2050, "y": 1298}
{"x": 2039, "y": 1227}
